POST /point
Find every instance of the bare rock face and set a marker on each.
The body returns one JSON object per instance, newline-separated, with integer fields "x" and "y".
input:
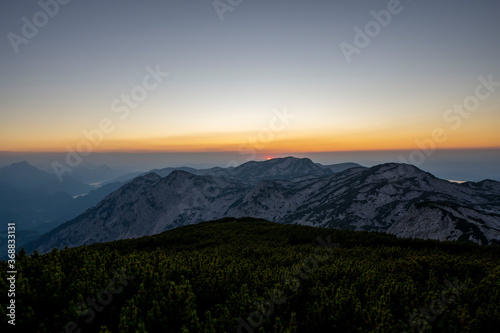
{"x": 396, "y": 198}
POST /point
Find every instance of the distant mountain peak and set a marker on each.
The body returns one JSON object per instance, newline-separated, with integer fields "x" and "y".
{"x": 29, "y": 178}
{"x": 23, "y": 165}
{"x": 23, "y": 172}
{"x": 180, "y": 174}
{"x": 339, "y": 167}
{"x": 289, "y": 159}
{"x": 148, "y": 178}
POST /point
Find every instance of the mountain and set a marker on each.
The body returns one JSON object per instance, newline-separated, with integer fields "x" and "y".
{"x": 37, "y": 201}
{"x": 275, "y": 169}
{"x": 395, "y": 198}
{"x": 24, "y": 176}
{"x": 161, "y": 172}
{"x": 252, "y": 172}
{"x": 28, "y": 178}
{"x": 37, "y": 214}
{"x": 167, "y": 171}
{"x": 341, "y": 166}
{"x": 92, "y": 175}
{"x": 148, "y": 205}
{"x": 126, "y": 177}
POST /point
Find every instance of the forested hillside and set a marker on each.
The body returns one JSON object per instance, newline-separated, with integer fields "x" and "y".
{"x": 250, "y": 275}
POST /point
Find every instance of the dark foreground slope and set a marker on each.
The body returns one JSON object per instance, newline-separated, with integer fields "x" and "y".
{"x": 250, "y": 275}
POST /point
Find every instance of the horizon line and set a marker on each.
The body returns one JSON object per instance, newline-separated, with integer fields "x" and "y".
{"x": 145, "y": 151}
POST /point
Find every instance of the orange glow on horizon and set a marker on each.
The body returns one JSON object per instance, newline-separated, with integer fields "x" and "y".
{"x": 282, "y": 143}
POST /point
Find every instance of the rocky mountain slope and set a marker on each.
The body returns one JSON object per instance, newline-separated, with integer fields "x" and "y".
{"x": 395, "y": 198}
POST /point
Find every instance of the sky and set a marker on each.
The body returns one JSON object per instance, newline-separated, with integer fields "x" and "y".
{"x": 257, "y": 78}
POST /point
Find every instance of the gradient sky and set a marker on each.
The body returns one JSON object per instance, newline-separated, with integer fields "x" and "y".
{"x": 227, "y": 78}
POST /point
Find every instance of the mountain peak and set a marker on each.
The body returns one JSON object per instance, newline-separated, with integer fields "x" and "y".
{"x": 22, "y": 170}
{"x": 140, "y": 181}
{"x": 23, "y": 165}
{"x": 149, "y": 177}
{"x": 179, "y": 174}
{"x": 400, "y": 168}
{"x": 278, "y": 169}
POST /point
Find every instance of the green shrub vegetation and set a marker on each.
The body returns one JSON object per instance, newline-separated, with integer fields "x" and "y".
{"x": 205, "y": 277}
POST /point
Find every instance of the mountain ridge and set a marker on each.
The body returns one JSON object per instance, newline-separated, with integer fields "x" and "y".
{"x": 395, "y": 198}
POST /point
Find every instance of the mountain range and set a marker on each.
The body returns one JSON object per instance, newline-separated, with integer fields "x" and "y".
{"x": 28, "y": 178}
{"x": 37, "y": 200}
{"x": 395, "y": 198}
{"x": 245, "y": 171}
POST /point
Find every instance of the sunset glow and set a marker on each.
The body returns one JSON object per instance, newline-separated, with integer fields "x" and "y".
{"x": 239, "y": 85}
